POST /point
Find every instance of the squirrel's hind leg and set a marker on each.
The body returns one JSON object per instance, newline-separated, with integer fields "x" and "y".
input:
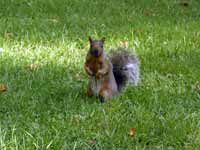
{"x": 89, "y": 92}
{"x": 104, "y": 94}
{"x": 101, "y": 98}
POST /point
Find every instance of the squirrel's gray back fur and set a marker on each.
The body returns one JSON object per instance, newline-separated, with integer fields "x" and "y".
{"x": 125, "y": 67}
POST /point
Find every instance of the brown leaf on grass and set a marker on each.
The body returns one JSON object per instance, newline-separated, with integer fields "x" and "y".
{"x": 198, "y": 86}
{"x": 32, "y": 66}
{"x": 78, "y": 77}
{"x": 92, "y": 142}
{"x": 148, "y": 13}
{"x": 131, "y": 131}
{"x": 3, "y": 88}
{"x": 8, "y": 35}
{"x": 184, "y": 3}
{"x": 139, "y": 30}
{"x": 130, "y": 20}
{"x": 55, "y": 19}
{"x": 124, "y": 44}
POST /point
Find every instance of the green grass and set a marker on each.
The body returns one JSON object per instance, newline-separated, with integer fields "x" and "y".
{"x": 47, "y": 108}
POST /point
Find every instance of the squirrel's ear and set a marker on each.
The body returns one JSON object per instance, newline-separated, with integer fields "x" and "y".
{"x": 103, "y": 39}
{"x": 90, "y": 39}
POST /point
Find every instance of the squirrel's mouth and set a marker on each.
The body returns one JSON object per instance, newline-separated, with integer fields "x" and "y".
{"x": 95, "y": 53}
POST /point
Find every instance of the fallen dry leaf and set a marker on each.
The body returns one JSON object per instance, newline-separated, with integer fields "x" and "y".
{"x": 131, "y": 131}
{"x": 3, "y": 88}
{"x": 139, "y": 30}
{"x": 55, "y": 19}
{"x": 148, "y": 13}
{"x": 198, "y": 86}
{"x": 184, "y": 3}
{"x": 124, "y": 44}
{"x": 32, "y": 66}
{"x": 8, "y": 35}
{"x": 78, "y": 77}
{"x": 92, "y": 142}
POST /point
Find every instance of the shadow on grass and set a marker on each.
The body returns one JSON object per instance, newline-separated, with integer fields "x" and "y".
{"x": 52, "y": 83}
{"x": 48, "y": 87}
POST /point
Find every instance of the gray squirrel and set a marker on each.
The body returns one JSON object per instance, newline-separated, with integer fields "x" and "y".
{"x": 108, "y": 75}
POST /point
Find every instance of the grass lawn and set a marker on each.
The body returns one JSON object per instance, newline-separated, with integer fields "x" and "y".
{"x": 43, "y": 44}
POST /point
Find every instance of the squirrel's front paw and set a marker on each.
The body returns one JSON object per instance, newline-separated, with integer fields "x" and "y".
{"x": 99, "y": 75}
{"x": 89, "y": 72}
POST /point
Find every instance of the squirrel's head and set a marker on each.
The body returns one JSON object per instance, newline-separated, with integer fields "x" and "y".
{"x": 96, "y": 47}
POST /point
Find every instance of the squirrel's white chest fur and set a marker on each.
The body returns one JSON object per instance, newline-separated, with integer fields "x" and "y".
{"x": 95, "y": 85}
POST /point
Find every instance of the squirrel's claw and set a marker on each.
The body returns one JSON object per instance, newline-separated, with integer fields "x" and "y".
{"x": 100, "y": 74}
{"x": 101, "y": 98}
{"x": 89, "y": 72}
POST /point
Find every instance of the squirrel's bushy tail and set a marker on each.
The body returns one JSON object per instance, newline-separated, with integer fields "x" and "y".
{"x": 125, "y": 67}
